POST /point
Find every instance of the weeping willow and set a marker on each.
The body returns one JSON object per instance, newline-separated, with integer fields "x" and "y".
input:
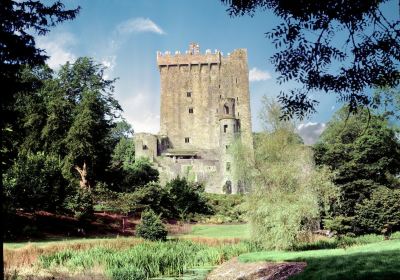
{"x": 286, "y": 193}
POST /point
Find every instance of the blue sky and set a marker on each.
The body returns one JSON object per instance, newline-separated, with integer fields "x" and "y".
{"x": 125, "y": 36}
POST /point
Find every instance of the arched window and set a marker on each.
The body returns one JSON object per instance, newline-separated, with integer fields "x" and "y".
{"x": 226, "y": 109}
{"x": 227, "y": 188}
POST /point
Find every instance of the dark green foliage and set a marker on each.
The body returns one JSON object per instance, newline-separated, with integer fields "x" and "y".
{"x": 226, "y": 208}
{"x": 333, "y": 46}
{"x": 81, "y": 204}
{"x": 20, "y": 22}
{"x": 88, "y": 138}
{"x": 35, "y": 182}
{"x": 380, "y": 212}
{"x": 341, "y": 225}
{"x": 151, "y": 227}
{"x": 187, "y": 198}
{"x": 364, "y": 153}
{"x": 141, "y": 173}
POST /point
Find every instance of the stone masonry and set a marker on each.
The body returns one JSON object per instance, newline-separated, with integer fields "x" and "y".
{"x": 205, "y": 106}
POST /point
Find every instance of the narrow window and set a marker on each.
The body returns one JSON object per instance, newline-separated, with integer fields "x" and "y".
{"x": 238, "y": 114}
{"x": 228, "y": 166}
{"x": 226, "y": 109}
{"x": 236, "y": 80}
{"x": 187, "y": 140}
{"x": 189, "y": 94}
{"x": 225, "y": 127}
{"x": 226, "y": 147}
{"x": 190, "y": 110}
{"x": 144, "y": 147}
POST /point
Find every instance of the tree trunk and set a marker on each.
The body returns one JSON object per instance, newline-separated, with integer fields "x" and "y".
{"x": 83, "y": 183}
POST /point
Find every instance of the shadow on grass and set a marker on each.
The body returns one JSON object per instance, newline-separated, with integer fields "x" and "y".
{"x": 368, "y": 265}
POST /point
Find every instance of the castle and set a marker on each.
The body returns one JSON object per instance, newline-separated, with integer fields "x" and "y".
{"x": 205, "y": 106}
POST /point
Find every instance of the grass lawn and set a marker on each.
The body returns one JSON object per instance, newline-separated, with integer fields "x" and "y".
{"x": 380, "y": 260}
{"x": 220, "y": 231}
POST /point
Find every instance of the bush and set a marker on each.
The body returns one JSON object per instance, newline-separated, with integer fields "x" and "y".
{"x": 226, "y": 208}
{"x": 340, "y": 225}
{"x": 81, "y": 204}
{"x": 381, "y": 212}
{"x": 187, "y": 198}
{"x": 151, "y": 227}
{"x": 46, "y": 190}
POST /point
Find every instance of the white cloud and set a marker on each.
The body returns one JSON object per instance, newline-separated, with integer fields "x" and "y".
{"x": 58, "y": 48}
{"x": 110, "y": 63}
{"x": 310, "y": 131}
{"x": 137, "y": 25}
{"x": 256, "y": 75}
{"x": 141, "y": 113}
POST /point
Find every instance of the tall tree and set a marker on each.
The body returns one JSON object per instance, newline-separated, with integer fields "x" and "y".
{"x": 287, "y": 192}
{"x": 342, "y": 47}
{"x": 19, "y": 22}
{"x": 364, "y": 151}
{"x": 88, "y": 141}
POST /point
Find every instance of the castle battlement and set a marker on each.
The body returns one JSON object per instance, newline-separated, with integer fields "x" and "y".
{"x": 194, "y": 57}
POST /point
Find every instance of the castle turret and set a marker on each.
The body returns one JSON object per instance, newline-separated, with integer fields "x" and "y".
{"x": 229, "y": 131}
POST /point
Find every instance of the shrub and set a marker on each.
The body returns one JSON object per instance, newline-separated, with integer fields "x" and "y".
{"x": 81, "y": 204}
{"x": 46, "y": 190}
{"x": 151, "y": 227}
{"x": 226, "y": 208}
{"x": 340, "y": 224}
{"x": 188, "y": 198}
{"x": 381, "y": 212}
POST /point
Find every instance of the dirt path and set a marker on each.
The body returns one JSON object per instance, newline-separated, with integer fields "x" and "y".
{"x": 235, "y": 270}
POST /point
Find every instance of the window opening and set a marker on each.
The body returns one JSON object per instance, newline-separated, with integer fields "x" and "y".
{"x": 226, "y": 109}
{"x": 187, "y": 140}
{"x": 225, "y": 127}
{"x": 190, "y": 110}
{"x": 144, "y": 147}
{"x": 189, "y": 94}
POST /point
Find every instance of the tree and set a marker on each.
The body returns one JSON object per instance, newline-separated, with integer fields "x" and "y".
{"x": 287, "y": 194}
{"x": 334, "y": 46}
{"x": 380, "y": 212}
{"x": 19, "y": 21}
{"x": 187, "y": 198}
{"x": 87, "y": 142}
{"x": 151, "y": 227}
{"x": 124, "y": 151}
{"x": 35, "y": 182}
{"x": 364, "y": 152}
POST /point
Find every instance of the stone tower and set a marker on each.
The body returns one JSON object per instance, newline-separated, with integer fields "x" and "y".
{"x": 205, "y": 106}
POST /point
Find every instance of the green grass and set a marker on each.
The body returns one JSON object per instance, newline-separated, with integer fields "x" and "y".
{"x": 147, "y": 259}
{"x": 380, "y": 260}
{"x": 220, "y": 231}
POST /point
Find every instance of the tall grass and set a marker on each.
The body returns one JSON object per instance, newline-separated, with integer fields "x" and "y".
{"x": 27, "y": 255}
{"x": 148, "y": 259}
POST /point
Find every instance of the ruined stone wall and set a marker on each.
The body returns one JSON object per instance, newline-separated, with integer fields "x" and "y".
{"x": 145, "y": 146}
